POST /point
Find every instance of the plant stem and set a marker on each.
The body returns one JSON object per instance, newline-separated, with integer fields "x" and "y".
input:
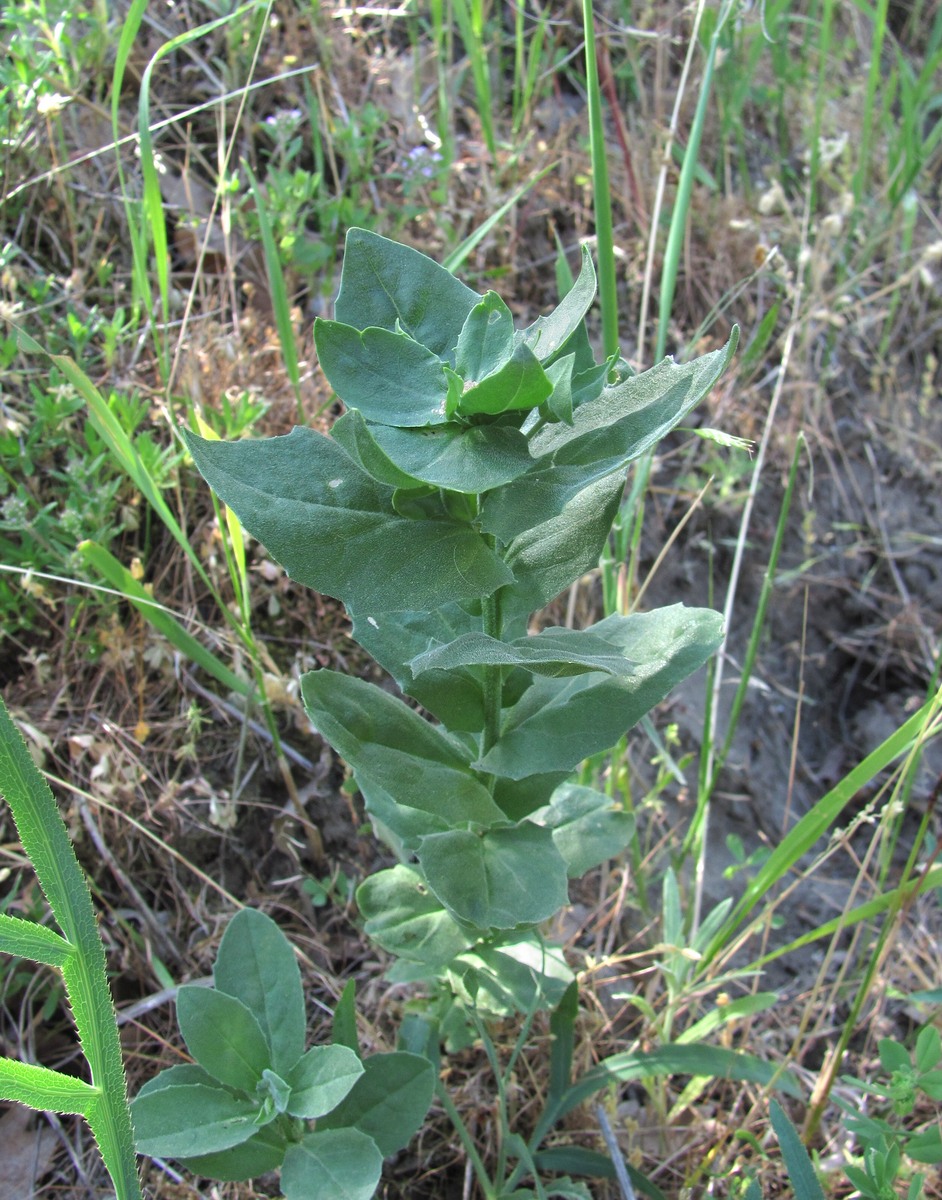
{"x": 487, "y": 1187}
{"x": 493, "y": 675}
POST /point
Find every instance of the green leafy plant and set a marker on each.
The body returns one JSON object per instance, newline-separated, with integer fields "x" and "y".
{"x": 78, "y": 953}
{"x": 474, "y": 476}
{"x": 885, "y": 1143}
{"x": 255, "y": 1100}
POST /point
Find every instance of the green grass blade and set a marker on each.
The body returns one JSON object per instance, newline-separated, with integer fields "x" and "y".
{"x": 454, "y": 260}
{"x": 109, "y": 429}
{"x": 279, "y": 294}
{"x": 678, "y": 225}
{"x": 163, "y": 621}
{"x": 153, "y": 209}
{"x": 815, "y": 823}
{"x": 800, "y": 1167}
{"x": 45, "y": 841}
{"x": 713, "y": 1062}
{"x": 141, "y": 293}
{"x": 601, "y": 191}
{"x": 470, "y": 20}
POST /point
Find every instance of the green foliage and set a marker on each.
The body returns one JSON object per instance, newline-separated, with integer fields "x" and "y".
{"x": 885, "y": 1142}
{"x": 474, "y": 476}
{"x": 255, "y": 1099}
{"x": 59, "y": 486}
{"x": 79, "y": 954}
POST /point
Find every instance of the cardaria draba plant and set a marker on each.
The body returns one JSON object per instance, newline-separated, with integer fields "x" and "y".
{"x": 474, "y": 476}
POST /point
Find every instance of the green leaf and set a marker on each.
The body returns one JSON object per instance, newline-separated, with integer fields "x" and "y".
{"x": 394, "y": 638}
{"x": 549, "y": 333}
{"x": 387, "y": 376}
{"x": 519, "y": 798}
{"x": 343, "y": 1164}
{"x": 548, "y": 557}
{"x": 333, "y": 528}
{"x": 628, "y": 419}
{"x": 28, "y": 939}
{"x": 403, "y": 917}
{"x": 486, "y": 340}
{"x": 389, "y": 1101}
{"x": 262, "y": 1152}
{"x": 801, "y": 1171}
{"x": 256, "y": 965}
{"x": 356, "y": 437}
{"x": 925, "y": 1147}
{"x": 559, "y": 406}
{"x": 586, "y": 826}
{"x": 415, "y": 776}
{"x": 223, "y": 1035}
{"x": 713, "y": 1062}
{"x": 389, "y": 285}
{"x": 928, "y": 1048}
{"x": 520, "y": 383}
{"x": 45, "y": 1090}
{"x": 321, "y": 1079}
{"x": 559, "y": 722}
{"x": 893, "y": 1056}
{"x": 554, "y": 651}
{"x": 497, "y": 879}
{"x": 461, "y": 458}
{"x": 522, "y": 974}
{"x": 344, "y": 1025}
{"x": 191, "y": 1119}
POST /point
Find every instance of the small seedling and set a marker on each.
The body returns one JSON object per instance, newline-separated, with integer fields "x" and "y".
{"x": 255, "y": 1100}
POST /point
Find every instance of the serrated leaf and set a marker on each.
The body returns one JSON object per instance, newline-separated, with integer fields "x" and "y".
{"x": 555, "y": 652}
{"x": 401, "y": 915}
{"x": 549, "y": 333}
{"x": 559, "y": 722}
{"x": 389, "y": 1101}
{"x": 713, "y": 1062}
{"x": 333, "y": 527}
{"x": 28, "y": 939}
{"x": 497, "y": 879}
{"x": 801, "y": 1170}
{"x": 387, "y": 376}
{"x": 343, "y": 1164}
{"x": 48, "y": 1091}
{"x": 321, "y": 1079}
{"x": 191, "y": 1119}
{"x": 223, "y": 1035}
{"x": 389, "y": 285}
{"x": 586, "y": 827}
{"x": 255, "y": 964}
{"x": 395, "y": 754}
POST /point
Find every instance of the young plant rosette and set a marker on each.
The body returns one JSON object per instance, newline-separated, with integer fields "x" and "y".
{"x": 474, "y": 475}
